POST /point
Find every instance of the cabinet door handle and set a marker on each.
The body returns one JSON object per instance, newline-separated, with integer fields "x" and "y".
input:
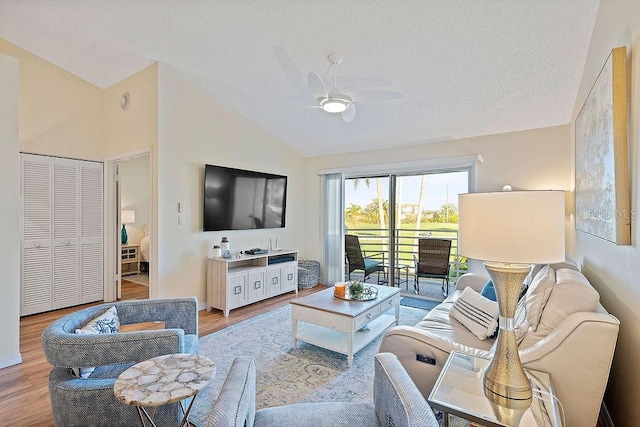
{"x": 369, "y": 316}
{"x": 67, "y": 243}
{"x": 38, "y": 245}
{"x": 290, "y": 276}
{"x": 274, "y": 281}
{"x": 237, "y": 290}
{"x": 257, "y": 284}
{"x": 390, "y": 302}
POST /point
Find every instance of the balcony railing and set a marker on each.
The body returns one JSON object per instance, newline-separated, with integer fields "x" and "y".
{"x": 374, "y": 240}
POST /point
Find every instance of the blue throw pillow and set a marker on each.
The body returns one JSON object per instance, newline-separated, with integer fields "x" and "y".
{"x": 488, "y": 291}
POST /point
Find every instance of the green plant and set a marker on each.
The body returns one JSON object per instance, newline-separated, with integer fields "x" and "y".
{"x": 355, "y": 288}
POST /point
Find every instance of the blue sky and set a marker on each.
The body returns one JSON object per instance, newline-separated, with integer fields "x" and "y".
{"x": 440, "y": 189}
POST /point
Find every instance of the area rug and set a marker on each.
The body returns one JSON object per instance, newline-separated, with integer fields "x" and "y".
{"x": 421, "y": 303}
{"x": 285, "y": 375}
{"x": 141, "y": 279}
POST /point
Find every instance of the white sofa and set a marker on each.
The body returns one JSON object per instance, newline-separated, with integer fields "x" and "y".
{"x": 574, "y": 341}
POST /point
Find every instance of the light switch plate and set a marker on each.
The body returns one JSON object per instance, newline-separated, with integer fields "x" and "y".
{"x": 180, "y": 207}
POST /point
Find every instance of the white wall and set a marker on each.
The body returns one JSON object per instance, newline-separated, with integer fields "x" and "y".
{"x": 194, "y": 129}
{"x": 9, "y": 213}
{"x": 615, "y": 271}
{"x": 527, "y": 160}
{"x": 135, "y": 194}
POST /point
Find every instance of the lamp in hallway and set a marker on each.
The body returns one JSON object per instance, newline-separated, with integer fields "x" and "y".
{"x": 509, "y": 231}
{"x": 126, "y": 217}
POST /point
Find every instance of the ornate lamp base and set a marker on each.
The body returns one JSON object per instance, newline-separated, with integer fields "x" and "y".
{"x": 504, "y": 376}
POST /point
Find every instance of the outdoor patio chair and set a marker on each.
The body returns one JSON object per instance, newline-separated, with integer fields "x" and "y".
{"x": 359, "y": 260}
{"x": 433, "y": 262}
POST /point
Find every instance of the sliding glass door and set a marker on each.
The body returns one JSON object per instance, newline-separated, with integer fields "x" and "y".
{"x": 390, "y": 213}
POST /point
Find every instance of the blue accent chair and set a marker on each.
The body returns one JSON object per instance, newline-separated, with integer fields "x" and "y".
{"x": 91, "y": 402}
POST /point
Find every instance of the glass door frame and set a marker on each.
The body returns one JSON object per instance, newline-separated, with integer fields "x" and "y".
{"x": 393, "y": 239}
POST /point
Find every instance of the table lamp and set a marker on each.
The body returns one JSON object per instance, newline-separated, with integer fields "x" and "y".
{"x": 126, "y": 217}
{"x": 509, "y": 231}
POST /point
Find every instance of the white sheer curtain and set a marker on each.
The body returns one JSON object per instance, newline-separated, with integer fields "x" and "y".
{"x": 333, "y": 225}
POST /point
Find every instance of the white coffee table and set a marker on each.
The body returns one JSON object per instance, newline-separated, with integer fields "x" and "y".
{"x": 339, "y": 325}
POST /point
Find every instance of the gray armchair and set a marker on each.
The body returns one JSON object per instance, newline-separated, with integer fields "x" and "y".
{"x": 236, "y": 403}
{"x": 82, "y": 402}
{"x": 396, "y": 402}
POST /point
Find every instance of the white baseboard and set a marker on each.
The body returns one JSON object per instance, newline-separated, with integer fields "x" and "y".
{"x": 10, "y": 360}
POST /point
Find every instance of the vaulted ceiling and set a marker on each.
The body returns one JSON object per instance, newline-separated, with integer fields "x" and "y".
{"x": 463, "y": 67}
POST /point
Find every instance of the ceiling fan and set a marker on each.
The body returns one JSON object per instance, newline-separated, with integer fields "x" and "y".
{"x": 334, "y": 101}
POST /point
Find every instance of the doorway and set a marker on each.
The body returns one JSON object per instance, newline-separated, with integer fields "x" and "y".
{"x": 135, "y": 217}
{"x": 129, "y": 255}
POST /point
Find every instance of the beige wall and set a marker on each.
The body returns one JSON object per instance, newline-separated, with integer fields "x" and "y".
{"x": 195, "y": 129}
{"x": 527, "y": 160}
{"x": 614, "y": 271}
{"x": 137, "y": 127}
{"x": 60, "y": 114}
{"x": 9, "y": 213}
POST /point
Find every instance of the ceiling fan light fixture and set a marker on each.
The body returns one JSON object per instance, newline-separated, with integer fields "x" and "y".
{"x": 332, "y": 105}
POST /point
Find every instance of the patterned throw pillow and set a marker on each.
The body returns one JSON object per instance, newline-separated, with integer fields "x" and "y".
{"x": 106, "y": 323}
{"x": 477, "y": 313}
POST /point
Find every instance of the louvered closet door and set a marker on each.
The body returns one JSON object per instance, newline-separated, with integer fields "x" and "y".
{"x": 36, "y": 286}
{"x": 66, "y": 214}
{"x": 91, "y": 260}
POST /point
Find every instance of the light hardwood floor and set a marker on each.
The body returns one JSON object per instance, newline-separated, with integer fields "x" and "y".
{"x": 24, "y": 394}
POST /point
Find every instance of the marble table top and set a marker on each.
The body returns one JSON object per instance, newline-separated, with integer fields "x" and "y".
{"x": 164, "y": 379}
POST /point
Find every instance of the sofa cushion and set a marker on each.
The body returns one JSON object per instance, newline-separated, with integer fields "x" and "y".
{"x": 438, "y": 322}
{"x": 476, "y": 313}
{"x": 571, "y": 294}
{"x": 535, "y": 269}
{"x": 538, "y": 294}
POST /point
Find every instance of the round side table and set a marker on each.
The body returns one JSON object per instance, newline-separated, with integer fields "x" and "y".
{"x": 162, "y": 380}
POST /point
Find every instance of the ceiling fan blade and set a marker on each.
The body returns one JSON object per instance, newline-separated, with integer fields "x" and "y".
{"x": 350, "y": 113}
{"x": 316, "y": 86}
{"x": 373, "y": 95}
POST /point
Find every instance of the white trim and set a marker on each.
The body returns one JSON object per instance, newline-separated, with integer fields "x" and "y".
{"x": 409, "y": 166}
{"x": 14, "y": 359}
{"x": 130, "y": 155}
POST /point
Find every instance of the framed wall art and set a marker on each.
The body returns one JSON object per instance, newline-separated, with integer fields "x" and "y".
{"x": 602, "y": 171}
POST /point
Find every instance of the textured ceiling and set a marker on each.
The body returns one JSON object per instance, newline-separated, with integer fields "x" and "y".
{"x": 464, "y": 68}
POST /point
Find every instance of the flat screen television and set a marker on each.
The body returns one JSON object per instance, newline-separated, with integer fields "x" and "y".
{"x": 237, "y": 199}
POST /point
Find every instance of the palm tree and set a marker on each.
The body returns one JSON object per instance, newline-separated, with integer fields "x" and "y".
{"x": 356, "y": 182}
{"x": 385, "y": 247}
{"x": 353, "y": 212}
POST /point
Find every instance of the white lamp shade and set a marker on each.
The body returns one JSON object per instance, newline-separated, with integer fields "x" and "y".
{"x": 128, "y": 217}
{"x": 520, "y": 227}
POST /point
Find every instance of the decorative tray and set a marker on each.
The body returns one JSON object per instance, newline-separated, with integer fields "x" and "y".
{"x": 370, "y": 293}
